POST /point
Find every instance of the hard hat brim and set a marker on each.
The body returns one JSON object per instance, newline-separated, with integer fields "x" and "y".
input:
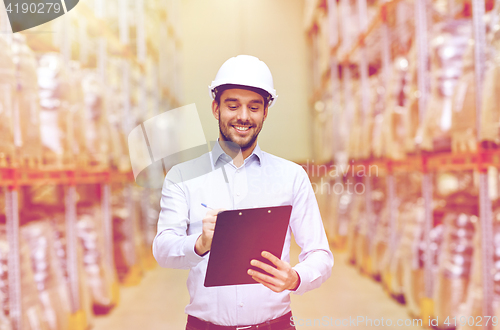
{"x": 219, "y": 88}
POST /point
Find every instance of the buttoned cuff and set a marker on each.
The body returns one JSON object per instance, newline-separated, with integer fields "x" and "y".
{"x": 189, "y": 251}
{"x": 298, "y": 284}
{"x": 306, "y": 275}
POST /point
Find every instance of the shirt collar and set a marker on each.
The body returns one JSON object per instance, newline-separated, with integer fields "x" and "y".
{"x": 217, "y": 153}
{"x": 258, "y": 153}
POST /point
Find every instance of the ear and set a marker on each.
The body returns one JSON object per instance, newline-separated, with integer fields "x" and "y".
{"x": 215, "y": 110}
{"x": 265, "y": 112}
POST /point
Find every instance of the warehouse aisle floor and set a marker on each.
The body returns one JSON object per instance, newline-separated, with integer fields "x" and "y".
{"x": 159, "y": 301}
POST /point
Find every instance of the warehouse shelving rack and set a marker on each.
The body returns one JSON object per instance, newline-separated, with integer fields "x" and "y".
{"x": 11, "y": 179}
{"x": 426, "y": 163}
{"x": 165, "y": 95}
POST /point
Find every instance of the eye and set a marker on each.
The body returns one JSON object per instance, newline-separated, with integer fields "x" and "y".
{"x": 232, "y": 107}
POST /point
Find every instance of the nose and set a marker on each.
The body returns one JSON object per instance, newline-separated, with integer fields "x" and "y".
{"x": 243, "y": 114}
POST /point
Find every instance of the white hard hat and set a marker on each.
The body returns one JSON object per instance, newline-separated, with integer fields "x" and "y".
{"x": 245, "y": 70}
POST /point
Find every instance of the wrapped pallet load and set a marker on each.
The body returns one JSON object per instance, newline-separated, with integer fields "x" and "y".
{"x": 47, "y": 270}
{"x": 411, "y": 112}
{"x": 124, "y": 251}
{"x": 410, "y": 275}
{"x": 7, "y": 90}
{"x": 77, "y": 114}
{"x": 367, "y": 226}
{"x": 341, "y": 223}
{"x": 335, "y": 106}
{"x": 57, "y": 119}
{"x": 448, "y": 46}
{"x": 455, "y": 261}
{"x": 408, "y": 192}
{"x": 26, "y": 105}
{"x": 5, "y": 323}
{"x": 393, "y": 127}
{"x": 331, "y": 215}
{"x": 368, "y": 121}
{"x": 324, "y": 46}
{"x": 362, "y": 242}
{"x": 490, "y": 114}
{"x": 380, "y": 243}
{"x": 117, "y": 132}
{"x": 322, "y": 130}
{"x": 58, "y": 223}
{"x": 127, "y": 237}
{"x": 473, "y": 306}
{"x": 379, "y": 201}
{"x": 118, "y": 114}
{"x": 141, "y": 242}
{"x": 463, "y": 129}
{"x": 328, "y": 128}
{"x": 412, "y": 263}
{"x": 97, "y": 126}
{"x": 33, "y": 317}
{"x": 392, "y": 271}
{"x": 355, "y": 122}
{"x": 417, "y": 294}
{"x": 413, "y": 274}
{"x": 325, "y": 195}
{"x": 377, "y": 108}
{"x": 408, "y": 189}
{"x": 101, "y": 275}
{"x": 343, "y": 129}
{"x": 150, "y": 211}
{"x": 357, "y": 211}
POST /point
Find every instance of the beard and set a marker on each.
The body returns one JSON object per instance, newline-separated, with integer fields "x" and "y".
{"x": 228, "y": 134}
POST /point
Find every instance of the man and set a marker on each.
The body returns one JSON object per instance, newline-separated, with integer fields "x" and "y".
{"x": 242, "y": 176}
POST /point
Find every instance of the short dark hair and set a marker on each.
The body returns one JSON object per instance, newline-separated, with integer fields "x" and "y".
{"x": 220, "y": 89}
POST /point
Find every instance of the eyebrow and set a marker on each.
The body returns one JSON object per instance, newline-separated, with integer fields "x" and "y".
{"x": 237, "y": 100}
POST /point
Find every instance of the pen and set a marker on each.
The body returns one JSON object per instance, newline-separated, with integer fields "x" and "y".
{"x": 205, "y": 205}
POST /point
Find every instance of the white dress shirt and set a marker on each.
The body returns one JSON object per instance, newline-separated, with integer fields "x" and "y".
{"x": 263, "y": 180}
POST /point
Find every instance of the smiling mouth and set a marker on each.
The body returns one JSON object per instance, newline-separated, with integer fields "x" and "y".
{"x": 240, "y": 128}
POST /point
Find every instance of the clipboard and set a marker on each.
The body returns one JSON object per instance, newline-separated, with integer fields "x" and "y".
{"x": 239, "y": 237}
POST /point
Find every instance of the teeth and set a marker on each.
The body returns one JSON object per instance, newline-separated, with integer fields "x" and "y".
{"x": 241, "y": 128}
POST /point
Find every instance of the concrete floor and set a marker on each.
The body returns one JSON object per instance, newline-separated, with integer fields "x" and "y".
{"x": 158, "y": 302}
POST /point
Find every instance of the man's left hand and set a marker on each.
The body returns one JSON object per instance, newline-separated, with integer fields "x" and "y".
{"x": 283, "y": 276}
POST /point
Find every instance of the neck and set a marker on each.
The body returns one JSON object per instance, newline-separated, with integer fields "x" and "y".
{"x": 239, "y": 155}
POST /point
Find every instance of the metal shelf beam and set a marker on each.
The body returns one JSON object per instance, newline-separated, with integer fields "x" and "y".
{"x": 30, "y": 177}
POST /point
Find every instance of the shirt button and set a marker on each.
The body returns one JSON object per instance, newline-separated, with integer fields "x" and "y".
{"x": 240, "y": 304}
{"x": 237, "y": 194}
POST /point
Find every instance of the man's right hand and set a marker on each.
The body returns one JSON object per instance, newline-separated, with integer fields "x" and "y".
{"x": 204, "y": 242}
